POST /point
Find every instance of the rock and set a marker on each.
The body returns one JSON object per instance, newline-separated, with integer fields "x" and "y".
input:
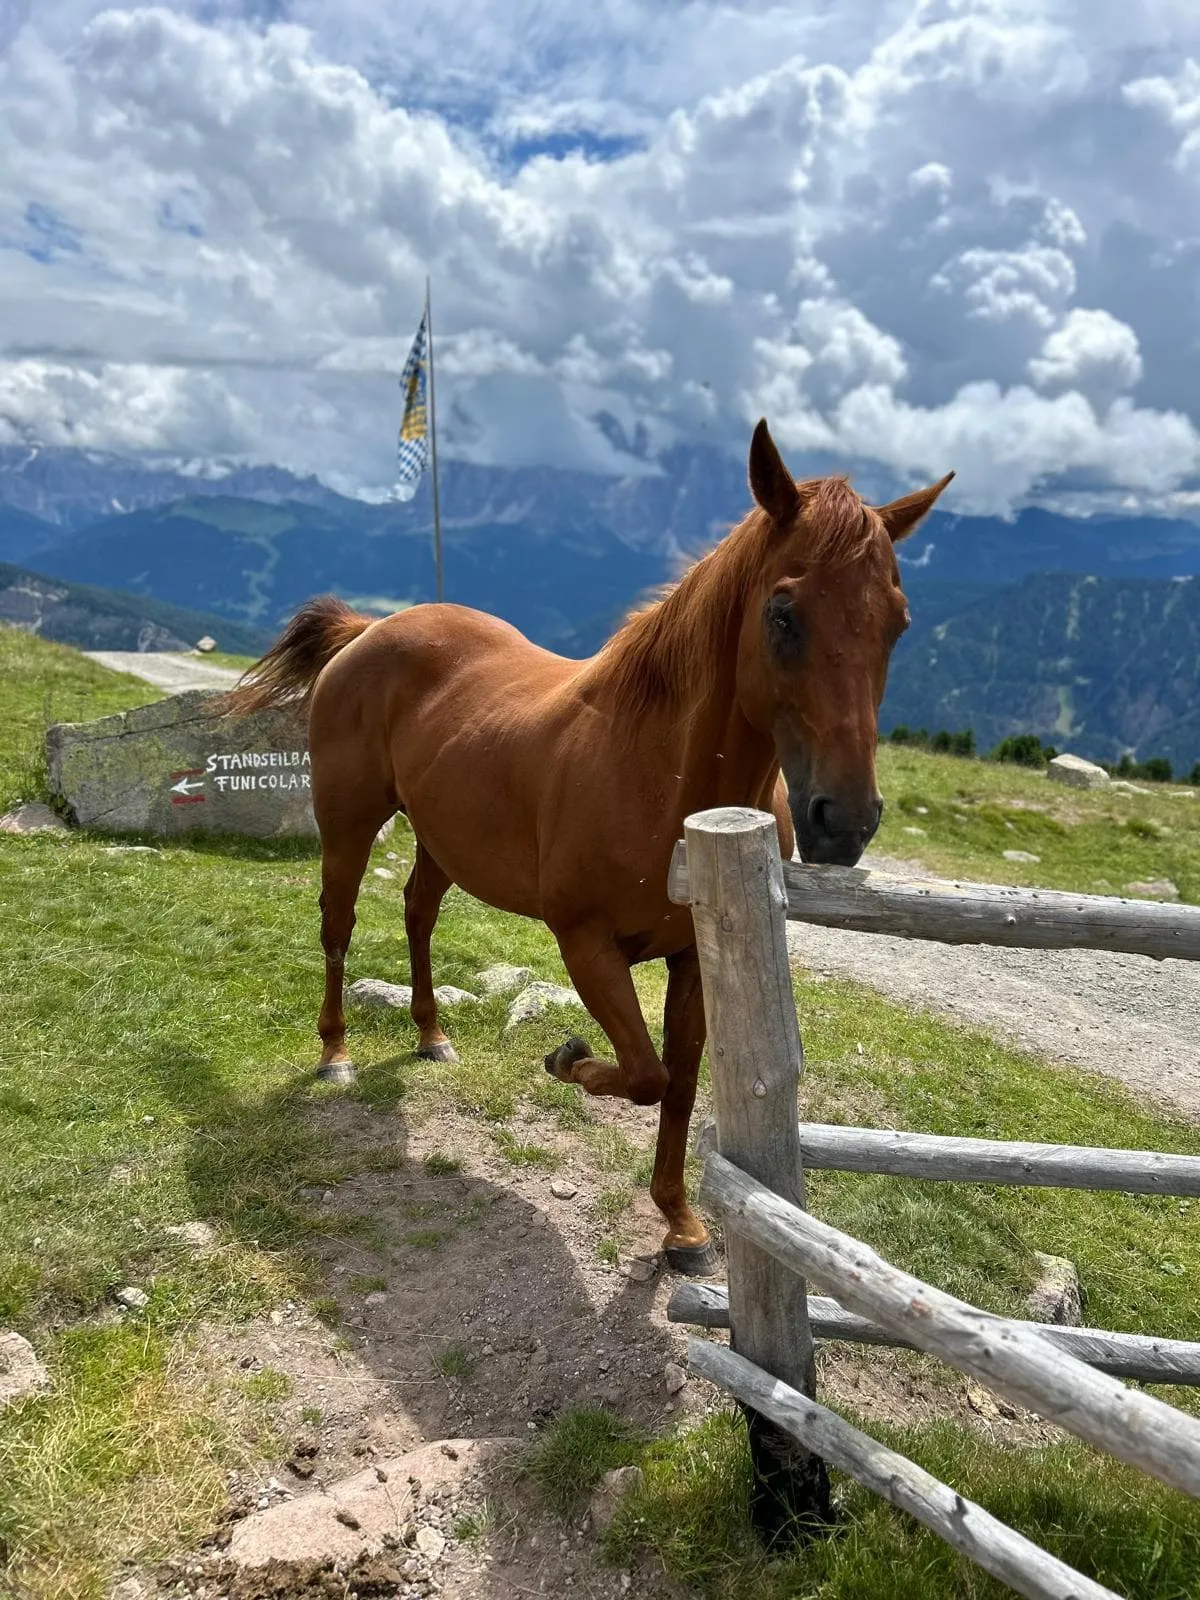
{"x": 376, "y": 1298}
{"x": 447, "y": 995}
{"x": 315, "y": 1524}
{"x": 375, "y": 992}
{"x": 674, "y": 1377}
{"x": 1129, "y": 788}
{"x": 1080, "y": 774}
{"x": 21, "y": 1372}
{"x": 128, "y": 1589}
{"x": 398, "y": 996}
{"x": 608, "y": 1494}
{"x": 1153, "y": 889}
{"x": 535, "y": 1000}
{"x": 132, "y": 850}
{"x": 981, "y": 1402}
{"x": 562, "y": 1189}
{"x": 917, "y": 833}
{"x": 132, "y": 1298}
{"x": 502, "y": 980}
{"x": 199, "y": 1235}
{"x": 430, "y": 1543}
{"x": 205, "y": 645}
{"x": 640, "y": 1269}
{"x": 176, "y": 767}
{"x": 383, "y": 872}
{"x": 1020, "y": 855}
{"x": 1057, "y": 1296}
{"x": 385, "y": 833}
{"x": 32, "y": 818}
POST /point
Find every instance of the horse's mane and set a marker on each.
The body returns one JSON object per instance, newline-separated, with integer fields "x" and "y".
{"x": 672, "y": 648}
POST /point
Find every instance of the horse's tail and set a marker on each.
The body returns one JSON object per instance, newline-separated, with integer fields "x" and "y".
{"x": 290, "y": 668}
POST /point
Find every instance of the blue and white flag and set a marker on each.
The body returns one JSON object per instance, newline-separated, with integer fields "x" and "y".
{"x": 412, "y": 449}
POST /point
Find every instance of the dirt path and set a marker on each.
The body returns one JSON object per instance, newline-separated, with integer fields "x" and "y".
{"x": 174, "y": 673}
{"x": 1125, "y": 1016}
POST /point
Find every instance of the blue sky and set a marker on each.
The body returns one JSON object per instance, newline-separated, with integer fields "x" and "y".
{"x": 916, "y": 234}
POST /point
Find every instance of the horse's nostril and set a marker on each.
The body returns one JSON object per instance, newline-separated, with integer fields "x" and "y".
{"x": 818, "y": 814}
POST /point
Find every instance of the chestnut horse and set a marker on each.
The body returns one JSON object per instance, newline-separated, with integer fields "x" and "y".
{"x": 556, "y": 789}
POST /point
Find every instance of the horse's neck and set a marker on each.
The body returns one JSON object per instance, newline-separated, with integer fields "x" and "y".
{"x": 719, "y": 758}
{"x": 724, "y": 760}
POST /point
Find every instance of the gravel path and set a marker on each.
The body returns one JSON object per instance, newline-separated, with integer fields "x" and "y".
{"x": 174, "y": 673}
{"x": 1126, "y": 1016}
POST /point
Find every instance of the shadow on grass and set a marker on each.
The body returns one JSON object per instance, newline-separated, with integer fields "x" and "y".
{"x": 463, "y": 1271}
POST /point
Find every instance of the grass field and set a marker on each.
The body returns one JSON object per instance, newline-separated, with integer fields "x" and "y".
{"x": 41, "y": 683}
{"x": 158, "y": 1026}
{"x": 959, "y": 816}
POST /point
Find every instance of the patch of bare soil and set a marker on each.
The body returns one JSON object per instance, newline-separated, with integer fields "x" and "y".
{"x": 474, "y": 1304}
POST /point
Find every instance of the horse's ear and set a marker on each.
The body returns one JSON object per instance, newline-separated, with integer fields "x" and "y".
{"x": 771, "y": 484}
{"x": 901, "y": 516}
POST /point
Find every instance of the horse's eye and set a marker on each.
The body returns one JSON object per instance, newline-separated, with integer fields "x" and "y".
{"x": 783, "y": 626}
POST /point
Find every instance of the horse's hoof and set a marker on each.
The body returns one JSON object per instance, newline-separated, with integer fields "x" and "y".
{"x": 444, "y": 1051}
{"x": 559, "y": 1062}
{"x": 336, "y": 1072}
{"x": 691, "y": 1260}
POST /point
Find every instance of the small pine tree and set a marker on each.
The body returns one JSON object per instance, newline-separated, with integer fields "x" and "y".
{"x": 1156, "y": 770}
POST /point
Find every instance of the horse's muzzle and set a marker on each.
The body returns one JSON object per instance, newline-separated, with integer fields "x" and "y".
{"x": 832, "y": 833}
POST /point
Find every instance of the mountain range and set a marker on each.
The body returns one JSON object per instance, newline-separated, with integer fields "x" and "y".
{"x": 93, "y": 618}
{"x": 1006, "y": 636}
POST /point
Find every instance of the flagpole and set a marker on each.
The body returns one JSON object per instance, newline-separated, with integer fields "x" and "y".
{"x": 437, "y": 508}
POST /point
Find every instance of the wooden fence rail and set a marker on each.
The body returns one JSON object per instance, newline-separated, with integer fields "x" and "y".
{"x": 729, "y": 871}
{"x": 973, "y": 913}
{"x": 1007, "y": 1357}
{"x": 834, "y": 1147}
{"x": 967, "y": 1527}
{"x": 1121, "y": 1355}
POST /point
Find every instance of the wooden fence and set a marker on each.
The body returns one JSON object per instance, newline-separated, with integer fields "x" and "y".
{"x": 728, "y": 869}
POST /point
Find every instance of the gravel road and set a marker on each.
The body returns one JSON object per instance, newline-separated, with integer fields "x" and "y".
{"x": 174, "y": 673}
{"x": 1125, "y": 1016}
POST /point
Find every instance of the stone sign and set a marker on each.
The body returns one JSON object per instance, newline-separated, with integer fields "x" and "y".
{"x": 175, "y": 767}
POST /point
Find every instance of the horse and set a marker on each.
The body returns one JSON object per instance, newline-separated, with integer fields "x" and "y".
{"x": 556, "y": 789}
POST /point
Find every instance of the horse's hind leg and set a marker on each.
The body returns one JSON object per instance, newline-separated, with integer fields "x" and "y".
{"x": 344, "y": 856}
{"x": 423, "y": 895}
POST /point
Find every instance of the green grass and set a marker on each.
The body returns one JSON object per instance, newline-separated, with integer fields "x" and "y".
{"x": 226, "y": 658}
{"x": 158, "y": 1016}
{"x": 575, "y": 1452}
{"x": 439, "y": 1165}
{"x": 456, "y": 1361}
{"x": 45, "y": 683}
{"x": 1104, "y": 1519}
{"x": 1091, "y": 841}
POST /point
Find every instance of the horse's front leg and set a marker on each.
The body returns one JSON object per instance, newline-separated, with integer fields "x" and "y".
{"x": 686, "y": 1245}
{"x": 603, "y": 982}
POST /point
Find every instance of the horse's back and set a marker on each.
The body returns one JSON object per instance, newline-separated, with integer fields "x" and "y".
{"x": 456, "y": 716}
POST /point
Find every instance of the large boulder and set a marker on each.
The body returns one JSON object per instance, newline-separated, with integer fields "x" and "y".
{"x": 176, "y": 767}
{"x": 1080, "y": 774}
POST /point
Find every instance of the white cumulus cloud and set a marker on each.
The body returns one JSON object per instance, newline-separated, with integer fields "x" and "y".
{"x": 918, "y": 234}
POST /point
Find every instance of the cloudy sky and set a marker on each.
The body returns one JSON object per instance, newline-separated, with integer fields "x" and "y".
{"x": 916, "y": 234}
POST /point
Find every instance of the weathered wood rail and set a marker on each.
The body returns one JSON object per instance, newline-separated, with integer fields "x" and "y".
{"x": 1121, "y": 1355}
{"x": 837, "y": 1147}
{"x": 974, "y": 913}
{"x": 729, "y": 871}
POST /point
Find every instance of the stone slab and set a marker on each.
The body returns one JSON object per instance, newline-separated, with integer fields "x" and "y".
{"x": 174, "y": 767}
{"x": 32, "y": 817}
{"x": 21, "y": 1372}
{"x": 354, "y": 1514}
{"x": 1077, "y": 772}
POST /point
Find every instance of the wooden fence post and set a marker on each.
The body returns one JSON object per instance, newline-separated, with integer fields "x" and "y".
{"x": 735, "y": 876}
